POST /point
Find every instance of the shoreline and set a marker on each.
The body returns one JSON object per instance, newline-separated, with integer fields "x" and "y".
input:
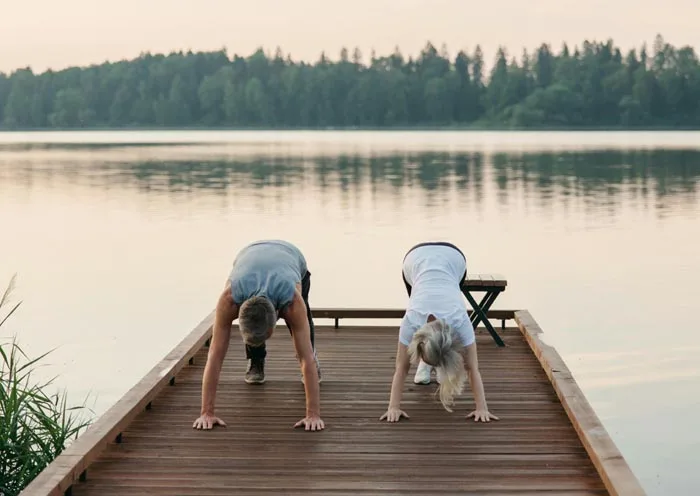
{"x": 360, "y": 129}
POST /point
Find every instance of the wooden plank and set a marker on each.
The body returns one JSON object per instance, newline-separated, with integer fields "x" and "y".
{"x": 285, "y": 485}
{"x": 389, "y": 313}
{"x": 483, "y": 282}
{"x": 63, "y": 471}
{"x": 357, "y": 313}
{"x": 499, "y": 280}
{"x": 472, "y": 280}
{"x": 471, "y": 489}
{"x": 611, "y": 465}
{"x": 350, "y": 459}
{"x": 208, "y": 490}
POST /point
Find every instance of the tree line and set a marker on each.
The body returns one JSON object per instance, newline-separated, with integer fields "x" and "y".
{"x": 593, "y": 85}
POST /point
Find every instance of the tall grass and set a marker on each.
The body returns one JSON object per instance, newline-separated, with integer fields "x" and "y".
{"x": 35, "y": 425}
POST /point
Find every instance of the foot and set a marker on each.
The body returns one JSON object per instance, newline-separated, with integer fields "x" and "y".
{"x": 422, "y": 374}
{"x": 255, "y": 374}
{"x": 318, "y": 369}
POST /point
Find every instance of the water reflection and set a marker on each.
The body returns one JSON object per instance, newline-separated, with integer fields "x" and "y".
{"x": 603, "y": 179}
{"x": 670, "y": 171}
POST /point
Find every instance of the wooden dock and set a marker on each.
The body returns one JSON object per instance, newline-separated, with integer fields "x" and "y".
{"x": 548, "y": 441}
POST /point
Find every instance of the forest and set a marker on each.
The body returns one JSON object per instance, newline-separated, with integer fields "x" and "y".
{"x": 594, "y": 85}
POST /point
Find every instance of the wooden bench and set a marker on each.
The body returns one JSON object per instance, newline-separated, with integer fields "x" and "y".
{"x": 491, "y": 284}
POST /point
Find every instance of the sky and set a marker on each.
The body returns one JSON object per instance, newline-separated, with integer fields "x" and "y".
{"x": 45, "y": 34}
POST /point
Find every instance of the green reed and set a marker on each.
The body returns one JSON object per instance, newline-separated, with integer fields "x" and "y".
{"x": 36, "y": 424}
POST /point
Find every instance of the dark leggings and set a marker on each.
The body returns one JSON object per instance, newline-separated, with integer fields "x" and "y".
{"x": 431, "y": 243}
{"x": 260, "y": 352}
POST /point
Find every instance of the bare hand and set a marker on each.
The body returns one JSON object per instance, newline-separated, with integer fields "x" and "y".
{"x": 482, "y": 416}
{"x": 394, "y": 415}
{"x": 207, "y": 422}
{"x": 311, "y": 423}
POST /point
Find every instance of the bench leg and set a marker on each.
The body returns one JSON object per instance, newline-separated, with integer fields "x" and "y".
{"x": 480, "y": 310}
{"x": 484, "y": 306}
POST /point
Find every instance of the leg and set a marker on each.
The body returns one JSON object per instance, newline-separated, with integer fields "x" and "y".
{"x": 408, "y": 286}
{"x": 305, "y": 289}
{"x": 255, "y": 352}
{"x": 424, "y": 370}
{"x": 255, "y": 373}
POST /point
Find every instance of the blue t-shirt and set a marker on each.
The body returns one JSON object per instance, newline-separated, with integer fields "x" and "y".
{"x": 269, "y": 268}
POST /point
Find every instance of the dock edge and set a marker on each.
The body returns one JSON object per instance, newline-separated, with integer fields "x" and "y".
{"x": 71, "y": 465}
{"x": 616, "y": 474}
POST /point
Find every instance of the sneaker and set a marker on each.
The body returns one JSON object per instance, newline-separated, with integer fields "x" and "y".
{"x": 422, "y": 374}
{"x": 255, "y": 374}
{"x": 318, "y": 369}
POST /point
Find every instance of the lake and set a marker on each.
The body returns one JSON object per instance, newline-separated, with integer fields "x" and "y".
{"x": 122, "y": 241}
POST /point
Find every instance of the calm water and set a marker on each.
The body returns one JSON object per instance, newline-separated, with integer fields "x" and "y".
{"x": 122, "y": 241}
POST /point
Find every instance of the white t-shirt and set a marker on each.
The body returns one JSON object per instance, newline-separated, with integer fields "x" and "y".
{"x": 434, "y": 273}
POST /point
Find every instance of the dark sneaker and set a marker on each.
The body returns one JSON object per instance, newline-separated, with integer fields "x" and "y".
{"x": 255, "y": 374}
{"x": 318, "y": 369}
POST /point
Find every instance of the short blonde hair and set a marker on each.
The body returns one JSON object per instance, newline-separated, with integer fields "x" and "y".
{"x": 438, "y": 345}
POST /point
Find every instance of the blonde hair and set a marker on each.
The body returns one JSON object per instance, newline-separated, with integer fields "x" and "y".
{"x": 438, "y": 345}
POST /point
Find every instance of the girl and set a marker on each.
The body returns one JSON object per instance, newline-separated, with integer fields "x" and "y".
{"x": 436, "y": 330}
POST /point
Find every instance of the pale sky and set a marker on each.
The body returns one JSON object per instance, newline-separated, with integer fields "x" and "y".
{"x": 57, "y": 34}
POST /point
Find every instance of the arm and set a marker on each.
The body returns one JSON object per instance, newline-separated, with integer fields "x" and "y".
{"x": 296, "y": 318}
{"x": 403, "y": 365}
{"x": 226, "y": 313}
{"x": 471, "y": 366}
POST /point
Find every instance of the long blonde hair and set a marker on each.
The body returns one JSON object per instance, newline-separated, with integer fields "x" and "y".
{"x": 438, "y": 345}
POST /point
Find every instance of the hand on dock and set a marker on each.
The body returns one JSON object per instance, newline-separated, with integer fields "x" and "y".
{"x": 394, "y": 415}
{"x": 207, "y": 422}
{"x": 482, "y": 416}
{"x": 311, "y": 423}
